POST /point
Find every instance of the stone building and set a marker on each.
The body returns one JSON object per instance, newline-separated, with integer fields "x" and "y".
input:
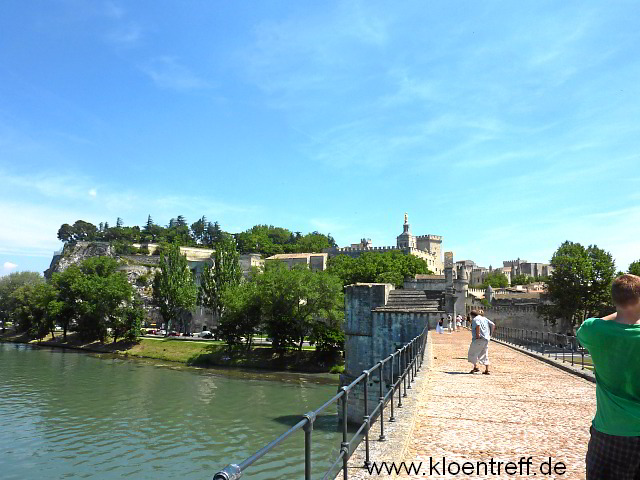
{"x": 315, "y": 261}
{"x": 523, "y": 267}
{"x": 427, "y": 247}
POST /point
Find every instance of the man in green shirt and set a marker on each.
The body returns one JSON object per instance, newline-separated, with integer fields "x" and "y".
{"x": 614, "y": 344}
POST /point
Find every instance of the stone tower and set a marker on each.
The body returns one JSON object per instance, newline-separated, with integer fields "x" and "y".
{"x": 405, "y": 239}
{"x": 461, "y": 286}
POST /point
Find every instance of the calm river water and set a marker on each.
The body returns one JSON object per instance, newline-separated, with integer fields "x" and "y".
{"x": 72, "y": 415}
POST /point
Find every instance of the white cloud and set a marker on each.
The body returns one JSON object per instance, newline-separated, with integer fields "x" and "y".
{"x": 167, "y": 72}
{"x": 9, "y": 265}
{"x": 93, "y": 192}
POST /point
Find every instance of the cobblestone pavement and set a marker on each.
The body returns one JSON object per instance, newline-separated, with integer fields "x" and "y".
{"x": 524, "y": 408}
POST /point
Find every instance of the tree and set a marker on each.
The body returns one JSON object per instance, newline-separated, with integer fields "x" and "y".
{"x": 224, "y": 273}
{"x": 634, "y": 268}
{"x": 102, "y": 292}
{"x": 9, "y": 284}
{"x": 242, "y": 314}
{"x": 580, "y": 283}
{"x": 389, "y": 267}
{"x": 293, "y": 301}
{"x": 598, "y": 302}
{"x": 198, "y": 229}
{"x": 496, "y": 280}
{"x": 521, "y": 279}
{"x": 65, "y": 233}
{"x": 119, "y": 223}
{"x": 67, "y": 284}
{"x": 126, "y": 320}
{"x": 174, "y": 290}
{"x": 33, "y": 310}
{"x": 181, "y": 221}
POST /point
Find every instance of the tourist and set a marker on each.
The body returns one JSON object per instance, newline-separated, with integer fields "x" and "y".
{"x": 481, "y": 330}
{"x": 614, "y": 344}
{"x": 440, "y": 326}
{"x": 450, "y": 322}
{"x": 467, "y": 322}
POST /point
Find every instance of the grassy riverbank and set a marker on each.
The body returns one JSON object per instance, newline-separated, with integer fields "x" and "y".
{"x": 201, "y": 354}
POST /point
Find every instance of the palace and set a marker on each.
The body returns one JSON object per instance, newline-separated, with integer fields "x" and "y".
{"x": 427, "y": 247}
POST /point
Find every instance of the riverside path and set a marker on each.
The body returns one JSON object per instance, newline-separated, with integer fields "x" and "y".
{"x": 524, "y": 408}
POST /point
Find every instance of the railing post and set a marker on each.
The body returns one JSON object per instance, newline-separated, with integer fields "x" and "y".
{"x": 399, "y": 378}
{"x": 410, "y": 365}
{"x": 382, "y": 437}
{"x": 404, "y": 371}
{"x": 366, "y": 418}
{"x": 308, "y": 430}
{"x": 344, "y": 446}
{"x": 392, "y": 418}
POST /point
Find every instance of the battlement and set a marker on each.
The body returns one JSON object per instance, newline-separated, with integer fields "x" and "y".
{"x": 434, "y": 238}
{"x": 363, "y": 249}
{"x": 513, "y": 263}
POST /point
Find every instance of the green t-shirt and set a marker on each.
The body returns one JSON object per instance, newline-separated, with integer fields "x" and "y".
{"x": 615, "y": 351}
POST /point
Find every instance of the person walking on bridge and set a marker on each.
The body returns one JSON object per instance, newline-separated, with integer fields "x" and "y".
{"x": 614, "y": 344}
{"x": 481, "y": 330}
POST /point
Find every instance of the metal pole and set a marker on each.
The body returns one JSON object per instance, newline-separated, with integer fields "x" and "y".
{"x": 381, "y": 376}
{"x": 392, "y": 418}
{"x": 366, "y": 418}
{"x": 400, "y": 378}
{"x": 308, "y": 431}
{"x": 409, "y": 365}
{"x": 404, "y": 372}
{"x": 344, "y": 446}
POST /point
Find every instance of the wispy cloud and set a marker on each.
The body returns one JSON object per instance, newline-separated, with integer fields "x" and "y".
{"x": 167, "y": 72}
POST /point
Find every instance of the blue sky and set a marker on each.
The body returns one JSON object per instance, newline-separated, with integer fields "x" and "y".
{"x": 505, "y": 127}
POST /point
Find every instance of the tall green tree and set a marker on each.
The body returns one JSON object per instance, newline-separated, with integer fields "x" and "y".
{"x": 634, "y": 268}
{"x": 580, "y": 284}
{"x": 224, "y": 273}
{"x": 174, "y": 290}
{"x": 293, "y": 301}
{"x": 34, "y": 309}
{"x": 242, "y": 314}
{"x": 68, "y": 283}
{"x": 101, "y": 291}
{"x": 9, "y": 284}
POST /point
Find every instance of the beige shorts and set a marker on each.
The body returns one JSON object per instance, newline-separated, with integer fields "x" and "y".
{"x": 479, "y": 351}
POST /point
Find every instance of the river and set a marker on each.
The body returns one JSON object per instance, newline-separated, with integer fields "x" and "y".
{"x": 73, "y": 415}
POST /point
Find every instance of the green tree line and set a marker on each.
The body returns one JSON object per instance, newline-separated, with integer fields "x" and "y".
{"x": 92, "y": 298}
{"x": 264, "y": 239}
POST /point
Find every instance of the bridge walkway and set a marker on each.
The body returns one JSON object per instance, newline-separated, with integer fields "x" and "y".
{"x": 524, "y": 408}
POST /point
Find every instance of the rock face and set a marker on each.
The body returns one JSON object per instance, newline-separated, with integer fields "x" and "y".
{"x": 139, "y": 270}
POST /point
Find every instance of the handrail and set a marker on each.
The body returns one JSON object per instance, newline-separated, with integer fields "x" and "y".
{"x": 554, "y": 344}
{"x": 410, "y": 358}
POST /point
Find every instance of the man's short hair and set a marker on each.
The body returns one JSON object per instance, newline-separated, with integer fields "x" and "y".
{"x": 625, "y": 290}
{"x": 474, "y": 313}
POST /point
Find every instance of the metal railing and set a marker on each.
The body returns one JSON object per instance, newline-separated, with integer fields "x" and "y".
{"x": 403, "y": 365}
{"x": 551, "y": 344}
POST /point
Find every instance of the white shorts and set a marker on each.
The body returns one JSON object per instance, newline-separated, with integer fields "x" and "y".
{"x": 479, "y": 351}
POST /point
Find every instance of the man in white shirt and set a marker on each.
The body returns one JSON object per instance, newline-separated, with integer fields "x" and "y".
{"x": 481, "y": 330}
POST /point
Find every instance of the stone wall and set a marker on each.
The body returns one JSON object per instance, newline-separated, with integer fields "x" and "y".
{"x": 525, "y": 314}
{"x": 371, "y": 336}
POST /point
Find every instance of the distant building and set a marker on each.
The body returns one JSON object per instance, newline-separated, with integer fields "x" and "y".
{"x": 523, "y": 267}
{"x": 315, "y": 261}
{"x": 427, "y": 247}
